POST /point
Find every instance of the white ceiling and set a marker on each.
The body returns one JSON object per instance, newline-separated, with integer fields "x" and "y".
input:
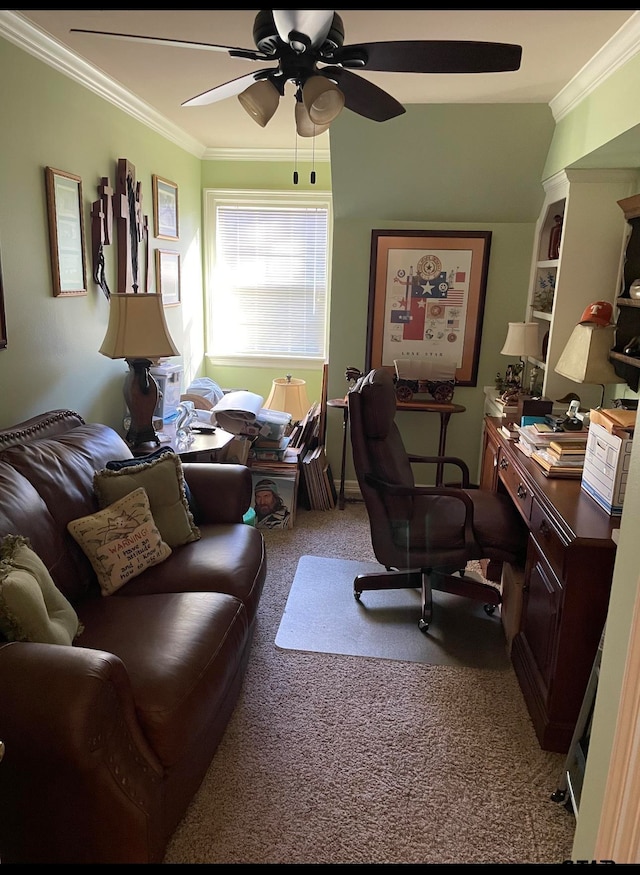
{"x": 152, "y": 81}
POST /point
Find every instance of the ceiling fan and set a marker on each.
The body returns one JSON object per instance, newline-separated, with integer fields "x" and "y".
{"x": 301, "y": 40}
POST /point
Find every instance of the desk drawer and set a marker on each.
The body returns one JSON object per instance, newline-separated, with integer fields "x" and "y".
{"x": 548, "y": 539}
{"x": 516, "y": 486}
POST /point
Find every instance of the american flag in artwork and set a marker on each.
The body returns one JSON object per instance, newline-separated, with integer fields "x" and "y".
{"x": 455, "y": 298}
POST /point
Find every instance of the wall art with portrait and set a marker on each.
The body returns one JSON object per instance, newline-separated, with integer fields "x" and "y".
{"x": 426, "y": 299}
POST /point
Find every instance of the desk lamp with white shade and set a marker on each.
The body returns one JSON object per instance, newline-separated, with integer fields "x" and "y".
{"x": 585, "y": 358}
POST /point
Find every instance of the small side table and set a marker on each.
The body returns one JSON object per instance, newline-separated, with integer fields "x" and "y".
{"x": 206, "y": 446}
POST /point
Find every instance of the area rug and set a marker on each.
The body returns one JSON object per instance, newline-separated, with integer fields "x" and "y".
{"x": 322, "y": 616}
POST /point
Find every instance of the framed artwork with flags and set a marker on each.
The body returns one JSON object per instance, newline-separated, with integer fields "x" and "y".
{"x": 426, "y": 299}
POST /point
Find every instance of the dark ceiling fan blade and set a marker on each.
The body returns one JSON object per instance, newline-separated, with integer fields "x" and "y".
{"x": 234, "y": 51}
{"x": 430, "y": 56}
{"x": 362, "y": 96}
{"x": 229, "y": 89}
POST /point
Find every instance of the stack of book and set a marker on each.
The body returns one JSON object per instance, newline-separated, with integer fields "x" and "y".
{"x": 559, "y": 454}
{"x": 263, "y": 450}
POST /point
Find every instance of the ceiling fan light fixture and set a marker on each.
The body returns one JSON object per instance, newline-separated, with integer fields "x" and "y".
{"x": 304, "y": 126}
{"x": 323, "y": 100}
{"x": 260, "y": 101}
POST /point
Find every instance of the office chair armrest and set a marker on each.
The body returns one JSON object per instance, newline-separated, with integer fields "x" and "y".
{"x": 445, "y": 460}
{"x": 382, "y": 486}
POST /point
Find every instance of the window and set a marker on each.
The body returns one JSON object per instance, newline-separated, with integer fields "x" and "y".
{"x": 267, "y": 275}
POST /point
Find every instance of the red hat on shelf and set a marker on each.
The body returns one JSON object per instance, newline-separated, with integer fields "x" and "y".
{"x": 599, "y": 312}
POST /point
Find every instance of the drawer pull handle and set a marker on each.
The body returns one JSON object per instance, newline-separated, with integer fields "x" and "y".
{"x": 522, "y": 492}
{"x": 504, "y": 463}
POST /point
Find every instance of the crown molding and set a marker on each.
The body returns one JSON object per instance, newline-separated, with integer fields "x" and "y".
{"x": 18, "y": 31}
{"x": 318, "y": 156}
{"x": 22, "y": 33}
{"x": 622, "y": 46}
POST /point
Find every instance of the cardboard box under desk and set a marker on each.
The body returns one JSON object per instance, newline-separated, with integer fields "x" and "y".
{"x": 606, "y": 468}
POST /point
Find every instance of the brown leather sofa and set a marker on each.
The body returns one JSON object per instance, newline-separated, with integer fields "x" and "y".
{"x": 107, "y": 740}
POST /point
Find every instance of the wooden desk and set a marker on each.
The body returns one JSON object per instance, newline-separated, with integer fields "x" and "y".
{"x": 444, "y": 410}
{"x": 566, "y": 585}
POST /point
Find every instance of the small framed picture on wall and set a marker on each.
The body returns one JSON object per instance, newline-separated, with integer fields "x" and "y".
{"x": 165, "y": 208}
{"x": 168, "y": 276}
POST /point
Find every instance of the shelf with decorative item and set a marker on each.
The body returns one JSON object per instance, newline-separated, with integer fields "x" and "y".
{"x": 545, "y": 287}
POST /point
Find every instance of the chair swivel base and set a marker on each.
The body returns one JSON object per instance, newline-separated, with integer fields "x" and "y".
{"x": 461, "y": 583}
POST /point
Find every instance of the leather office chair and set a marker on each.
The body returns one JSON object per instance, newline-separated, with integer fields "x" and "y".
{"x": 423, "y": 535}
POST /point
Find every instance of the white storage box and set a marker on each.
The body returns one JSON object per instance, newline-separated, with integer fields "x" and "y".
{"x": 606, "y": 467}
{"x": 169, "y": 380}
{"x": 272, "y": 423}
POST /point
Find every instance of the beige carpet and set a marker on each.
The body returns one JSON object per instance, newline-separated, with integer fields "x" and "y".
{"x": 322, "y": 615}
{"x": 340, "y": 759}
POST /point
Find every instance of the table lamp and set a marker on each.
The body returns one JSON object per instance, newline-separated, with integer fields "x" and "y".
{"x": 585, "y": 358}
{"x": 523, "y": 340}
{"x": 289, "y": 395}
{"x": 137, "y": 332}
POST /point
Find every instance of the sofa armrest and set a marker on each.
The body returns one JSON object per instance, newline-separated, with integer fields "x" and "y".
{"x": 78, "y": 782}
{"x": 221, "y": 492}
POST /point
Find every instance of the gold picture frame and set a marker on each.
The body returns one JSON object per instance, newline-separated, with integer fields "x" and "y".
{"x": 168, "y": 276}
{"x": 165, "y": 208}
{"x": 426, "y": 298}
{"x": 66, "y": 232}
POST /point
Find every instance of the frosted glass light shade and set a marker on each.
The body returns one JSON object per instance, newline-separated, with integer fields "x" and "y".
{"x": 304, "y": 126}
{"x": 289, "y": 395}
{"x": 585, "y": 358}
{"x": 523, "y": 340}
{"x": 137, "y": 328}
{"x": 323, "y": 100}
{"x": 260, "y": 100}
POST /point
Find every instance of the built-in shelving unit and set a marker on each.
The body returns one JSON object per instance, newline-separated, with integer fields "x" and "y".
{"x": 628, "y": 321}
{"x": 587, "y": 269}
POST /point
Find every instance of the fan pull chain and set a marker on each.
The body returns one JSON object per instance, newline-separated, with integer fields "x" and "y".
{"x": 295, "y": 161}
{"x": 312, "y": 178}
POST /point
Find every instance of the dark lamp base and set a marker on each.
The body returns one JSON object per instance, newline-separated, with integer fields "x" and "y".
{"x": 141, "y": 396}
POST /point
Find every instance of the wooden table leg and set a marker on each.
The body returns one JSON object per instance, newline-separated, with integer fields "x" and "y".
{"x": 345, "y": 426}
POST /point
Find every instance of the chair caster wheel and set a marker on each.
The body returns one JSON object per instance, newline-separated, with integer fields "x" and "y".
{"x": 490, "y": 610}
{"x": 423, "y": 625}
{"x": 356, "y": 595}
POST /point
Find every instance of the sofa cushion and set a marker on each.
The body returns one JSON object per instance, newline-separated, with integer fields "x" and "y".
{"x": 182, "y": 655}
{"x": 163, "y": 480}
{"x": 121, "y": 540}
{"x": 31, "y": 606}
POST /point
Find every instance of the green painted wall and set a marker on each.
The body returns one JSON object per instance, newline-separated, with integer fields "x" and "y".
{"x": 436, "y": 168}
{"x": 52, "y": 358}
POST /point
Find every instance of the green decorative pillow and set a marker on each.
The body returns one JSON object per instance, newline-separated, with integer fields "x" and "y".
{"x": 121, "y": 540}
{"x": 163, "y": 481}
{"x": 32, "y": 608}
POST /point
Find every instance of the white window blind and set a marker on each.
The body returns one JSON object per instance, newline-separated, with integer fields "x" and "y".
{"x": 268, "y": 287}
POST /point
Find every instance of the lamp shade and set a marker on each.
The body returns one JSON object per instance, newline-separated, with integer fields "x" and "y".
{"x": 523, "y": 339}
{"x": 323, "y": 100}
{"x": 137, "y": 328}
{"x": 304, "y": 126}
{"x": 289, "y": 396}
{"x": 585, "y": 358}
{"x": 260, "y": 100}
